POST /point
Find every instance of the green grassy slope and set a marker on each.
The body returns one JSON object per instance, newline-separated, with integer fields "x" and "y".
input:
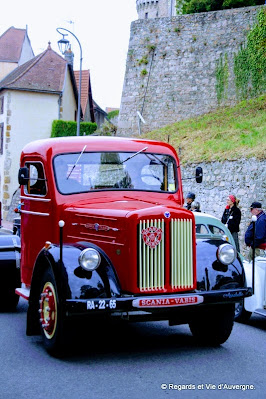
{"x": 228, "y": 133}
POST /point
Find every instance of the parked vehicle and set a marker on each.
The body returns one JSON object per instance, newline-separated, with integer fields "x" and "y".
{"x": 104, "y": 234}
{"x": 257, "y": 302}
{"x": 9, "y": 269}
{"x": 208, "y": 226}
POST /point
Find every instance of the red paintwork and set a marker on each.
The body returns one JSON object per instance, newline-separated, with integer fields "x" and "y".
{"x": 112, "y": 210}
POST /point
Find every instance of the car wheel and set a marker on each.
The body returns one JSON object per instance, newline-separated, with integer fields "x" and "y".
{"x": 213, "y": 327}
{"x": 51, "y": 319}
{"x": 241, "y": 314}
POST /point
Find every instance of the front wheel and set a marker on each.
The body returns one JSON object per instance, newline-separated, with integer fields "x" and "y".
{"x": 215, "y": 326}
{"x": 51, "y": 318}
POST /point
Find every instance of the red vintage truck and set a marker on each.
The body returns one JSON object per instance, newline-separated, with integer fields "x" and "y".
{"x": 104, "y": 234}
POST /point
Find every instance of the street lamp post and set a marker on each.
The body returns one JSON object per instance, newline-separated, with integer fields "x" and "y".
{"x": 64, "y": 45}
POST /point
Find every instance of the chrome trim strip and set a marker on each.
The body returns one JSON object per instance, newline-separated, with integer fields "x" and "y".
{"x": 96, "y": 240}
{"x": 35, "y": 198}
{"x": 34, "y": 213}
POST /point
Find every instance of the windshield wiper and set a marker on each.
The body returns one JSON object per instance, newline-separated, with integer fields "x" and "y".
{"x": 136, "y": 153}
{"x": 84, "y": 148}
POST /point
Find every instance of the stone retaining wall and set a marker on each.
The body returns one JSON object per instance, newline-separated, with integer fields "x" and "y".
{"x": 171, "y": 70}
{"x": 244, "y": 178}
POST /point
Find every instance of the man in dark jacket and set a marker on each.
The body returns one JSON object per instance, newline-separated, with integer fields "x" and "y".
{"x": 260, "y": 229}
{"x": 189, "y": 199}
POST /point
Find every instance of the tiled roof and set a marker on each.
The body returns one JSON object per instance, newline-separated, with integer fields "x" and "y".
{"x": 11, "y": 42}
{"x": 86, "y": 94}
{"x": 85, "y": 87}
{"x": 43, "y": 73}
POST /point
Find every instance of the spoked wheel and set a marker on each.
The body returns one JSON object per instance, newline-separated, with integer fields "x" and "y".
{"x": 51, "y": 320}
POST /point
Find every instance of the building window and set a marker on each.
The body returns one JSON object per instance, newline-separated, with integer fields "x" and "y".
{"x": 2, "y": 105}
{"x": 1, "y": 138}
{"x": 146, "y": 15}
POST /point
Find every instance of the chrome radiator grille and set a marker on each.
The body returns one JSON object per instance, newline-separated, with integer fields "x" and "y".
{"x": 151, "y": 260}
{"x": 156, "y": 271}
{"x": 181, "y": 254}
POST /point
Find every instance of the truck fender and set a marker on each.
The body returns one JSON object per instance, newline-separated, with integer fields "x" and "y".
{"x": 72, "y": 281}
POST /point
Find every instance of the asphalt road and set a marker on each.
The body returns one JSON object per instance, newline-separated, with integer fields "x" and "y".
{"x": 135, "y": 361}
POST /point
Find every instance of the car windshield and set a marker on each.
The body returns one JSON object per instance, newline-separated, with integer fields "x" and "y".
{"x": 93, "y": 171}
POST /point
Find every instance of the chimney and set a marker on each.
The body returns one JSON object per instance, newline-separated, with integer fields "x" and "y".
{"x": 69, "y": 56}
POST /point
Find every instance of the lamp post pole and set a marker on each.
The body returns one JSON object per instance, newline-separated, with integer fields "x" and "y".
{"x": 64, "y": 45}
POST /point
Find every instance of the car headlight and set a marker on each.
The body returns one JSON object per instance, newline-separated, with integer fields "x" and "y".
{"x": 89, "y": 259}
{"x": 226, "y": 254}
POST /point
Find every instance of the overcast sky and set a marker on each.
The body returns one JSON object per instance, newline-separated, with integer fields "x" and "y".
{"x": 102, "y": 27}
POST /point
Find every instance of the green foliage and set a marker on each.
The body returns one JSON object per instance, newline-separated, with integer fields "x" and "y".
{"x": 151, "y": 47}
{"x": 144, "y": 72}
{"x": 222, "y": 75}
{"x": 113, "y": 114}
{"x": 107, "y": 129}
{"x": 144, "y": 60}
{"x": 228, "y": 133}
{"x": 240, "y": 3}
{"x": 249, "y": 63}
{"x": 69, "y": 128}
{"x": 194, "y": 6}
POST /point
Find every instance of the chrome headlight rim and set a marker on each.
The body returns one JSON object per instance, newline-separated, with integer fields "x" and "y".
{"x": 226, "y": 254}
{"x": 89, "y": 259}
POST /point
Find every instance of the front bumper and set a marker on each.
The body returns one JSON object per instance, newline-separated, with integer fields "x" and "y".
{"x": 154, "y": 304}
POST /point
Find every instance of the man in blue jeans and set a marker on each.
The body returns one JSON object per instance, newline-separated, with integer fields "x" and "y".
{"x": 260, "y": 229}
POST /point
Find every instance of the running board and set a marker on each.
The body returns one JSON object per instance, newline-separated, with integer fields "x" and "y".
{"x": 24, "y": 292}
{"x": 261, "y": 312}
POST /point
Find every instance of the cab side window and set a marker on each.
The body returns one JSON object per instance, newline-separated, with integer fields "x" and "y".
{"x": 37, "y": 182}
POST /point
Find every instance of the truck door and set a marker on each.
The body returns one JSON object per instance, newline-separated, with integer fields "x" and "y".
{"x": 36, "y": 226}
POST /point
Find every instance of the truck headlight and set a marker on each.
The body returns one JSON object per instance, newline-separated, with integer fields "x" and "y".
{"x": 89, "y": 259}
{"x": 226, "y": 254}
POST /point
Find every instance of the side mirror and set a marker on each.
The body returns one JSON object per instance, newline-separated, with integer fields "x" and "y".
{"x": 23, "y": 176}
{"x": 199, "y": 174}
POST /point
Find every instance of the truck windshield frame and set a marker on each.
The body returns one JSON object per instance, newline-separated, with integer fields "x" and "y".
{"x": 115, "y": 171}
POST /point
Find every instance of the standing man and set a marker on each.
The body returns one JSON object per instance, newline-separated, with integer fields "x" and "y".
{"x": 260, "y": 229}
{"x": 189, "y": 199}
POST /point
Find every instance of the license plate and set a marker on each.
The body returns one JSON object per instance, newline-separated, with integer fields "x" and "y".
{"x": 101, "y": 304}
{"x": 161, "y": 302}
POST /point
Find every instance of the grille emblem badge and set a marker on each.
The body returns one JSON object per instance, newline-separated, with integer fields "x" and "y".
{"x": 152, "y": 236}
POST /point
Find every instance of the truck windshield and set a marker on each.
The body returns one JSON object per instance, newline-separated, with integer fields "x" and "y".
{"x": 114, "y": 171}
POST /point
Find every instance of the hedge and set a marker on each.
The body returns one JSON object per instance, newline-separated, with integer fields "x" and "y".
{"x": 69, "y": 128}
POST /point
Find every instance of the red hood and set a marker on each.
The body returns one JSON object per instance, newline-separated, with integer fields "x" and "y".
{"x": 125, "y": 206}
